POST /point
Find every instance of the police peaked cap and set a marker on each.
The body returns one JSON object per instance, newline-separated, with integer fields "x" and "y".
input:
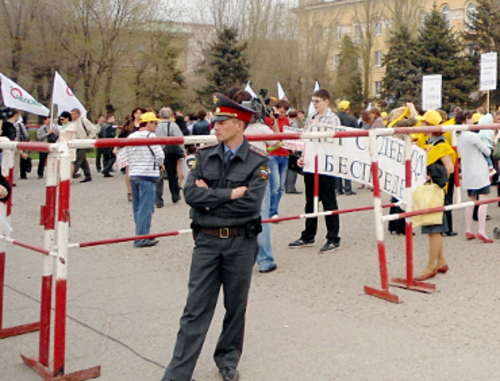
{"x": 225, "y": 108}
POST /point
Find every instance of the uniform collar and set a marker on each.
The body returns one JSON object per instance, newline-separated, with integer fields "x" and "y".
{"x": 241, "y": 151}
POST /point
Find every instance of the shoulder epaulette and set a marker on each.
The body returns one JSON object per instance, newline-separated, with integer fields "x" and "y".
{"x": 257, "y": 150}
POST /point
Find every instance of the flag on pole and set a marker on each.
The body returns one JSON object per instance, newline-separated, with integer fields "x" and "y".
{"x": 249, "y": 90}
{"x": 281, "y": 93}
{"x": 16, "y": 97}
{"x": 63, "y": 97}
{"x": 311, "y": 109}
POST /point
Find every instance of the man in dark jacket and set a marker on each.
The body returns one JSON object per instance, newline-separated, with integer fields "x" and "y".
{"x": 225, "y": 189}
{"x": 108, "y": 157}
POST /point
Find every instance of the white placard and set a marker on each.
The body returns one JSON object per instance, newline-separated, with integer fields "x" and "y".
{"x": 489, "y": 70}
{"x": 349, "y": 158}
{"x": 296, "y": 144}
{"x": 432, "y": 91}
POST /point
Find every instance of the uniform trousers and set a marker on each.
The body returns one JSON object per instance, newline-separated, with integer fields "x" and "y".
{"x": 329, "y": 200}
{"x": 216, "y": 262}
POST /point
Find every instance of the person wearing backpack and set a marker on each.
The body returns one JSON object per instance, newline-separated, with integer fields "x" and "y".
{"x": 173, "y": 153}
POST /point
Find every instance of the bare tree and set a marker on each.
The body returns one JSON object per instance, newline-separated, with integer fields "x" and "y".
{"x": 15, "y": 19}
{"x": 403, "y": 12}
{"x": 368, "y": 16}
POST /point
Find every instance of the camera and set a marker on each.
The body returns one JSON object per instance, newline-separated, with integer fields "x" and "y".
{"x": 261, "y": 105}
{"x": 6, "y": 113}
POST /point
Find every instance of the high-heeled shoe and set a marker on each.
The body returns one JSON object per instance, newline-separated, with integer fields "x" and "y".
{"x": 483, "y": 238}
{"x": 432, "y": 274}
{"x": 443, "y": 270}
{"x": 470, "y": 236}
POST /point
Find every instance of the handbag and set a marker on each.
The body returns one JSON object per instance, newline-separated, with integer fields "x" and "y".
{"x": 173, "y": 151}
{"x": 428, "y": 195}
{"x": 292, "y": 162}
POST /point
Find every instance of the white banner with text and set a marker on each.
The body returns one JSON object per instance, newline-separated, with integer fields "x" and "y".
{"x": 349, "y": 158}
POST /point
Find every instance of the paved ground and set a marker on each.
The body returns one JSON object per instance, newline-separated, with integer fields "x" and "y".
{"x": 309, "y": 320}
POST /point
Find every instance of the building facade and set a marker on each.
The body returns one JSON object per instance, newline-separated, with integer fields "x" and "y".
{"x": 369, "y": 23}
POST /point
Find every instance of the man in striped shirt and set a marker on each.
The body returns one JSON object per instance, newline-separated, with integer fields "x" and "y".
{"x": 144, "y": 165}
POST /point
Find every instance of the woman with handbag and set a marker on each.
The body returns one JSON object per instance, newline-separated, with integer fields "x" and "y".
{"x": 475, "y": 175}
{"x": 440, "y": 164}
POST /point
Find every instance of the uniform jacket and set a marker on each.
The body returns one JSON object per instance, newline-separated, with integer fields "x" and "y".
{"x": 213, "y": 207}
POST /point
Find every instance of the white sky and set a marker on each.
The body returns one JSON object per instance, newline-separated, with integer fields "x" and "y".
{"x": 190, "y": 11}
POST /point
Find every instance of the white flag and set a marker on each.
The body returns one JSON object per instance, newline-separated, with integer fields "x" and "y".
{"x": 249, "y": 90}
{"x": 63, "y": 97}
{"x": 281, "y": 93}
{"x": 16, "y": 97}
{"x": 311, "y": 108}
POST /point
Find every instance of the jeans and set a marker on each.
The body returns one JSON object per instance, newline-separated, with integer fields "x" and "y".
{"x": 143, "y": 204}
{"x": 278, "y": 166}
{"x": 265, "y": 258}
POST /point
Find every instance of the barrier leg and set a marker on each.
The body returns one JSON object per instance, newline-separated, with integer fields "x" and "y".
{"x": 61, "y": 278}
{"x": 409, "y": 283}
{"x": 384, "y": 293}
{"x": 5, "y": 210}
{"x": 47, "y": 220}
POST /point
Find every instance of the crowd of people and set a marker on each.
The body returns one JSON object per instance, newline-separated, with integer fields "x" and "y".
{"x": 235, "y": 184}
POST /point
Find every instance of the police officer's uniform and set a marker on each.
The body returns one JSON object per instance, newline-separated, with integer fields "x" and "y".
{"x": 226, "y": 246}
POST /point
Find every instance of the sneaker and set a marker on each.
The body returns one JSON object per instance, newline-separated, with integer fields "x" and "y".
{"x": 146, "y": 243}
{"x": 301, "y": 243}
{"x": 329, "y": 246}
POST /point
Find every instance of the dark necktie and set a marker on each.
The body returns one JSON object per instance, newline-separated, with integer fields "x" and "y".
{"x": 227, "y": 159}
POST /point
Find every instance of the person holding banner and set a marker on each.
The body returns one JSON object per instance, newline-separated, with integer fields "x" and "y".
{"x": 440, "y": 159}
{"x": 323, "y": 114}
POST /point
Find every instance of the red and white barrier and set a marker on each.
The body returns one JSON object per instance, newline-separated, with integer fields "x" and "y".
{"x": 60, "y": 160}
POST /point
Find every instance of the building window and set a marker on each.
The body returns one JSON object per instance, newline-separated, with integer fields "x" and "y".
{"x": 378, "y": 28}
{"x": 378, "y": 88}
{"x": 470, "y": 14}
{"x": 338, "y": 31}
{"x": 446, "y": 14}
{"x": 421, "y": 18}
{"x": 378, "y": 58}
{"x": 336, "y": 61}
{"x": 357, "y": 33}
{"x": 471, "y": 50}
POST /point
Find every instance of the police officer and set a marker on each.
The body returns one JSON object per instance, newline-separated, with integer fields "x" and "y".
{"x": 225, "y": 189}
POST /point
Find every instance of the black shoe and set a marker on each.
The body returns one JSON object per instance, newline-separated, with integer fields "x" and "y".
{"x": 160, "y": 205}
{"x": 175, "y": 200}
{"x": 108, "y": 175}
{"x": 86, "y": 180}
{"x": 98, "y": 170}
{"x": 229, "y": 374}
{"x": 329, "y": 247}
{"x": 450, "y": 234}
{"x": 270, "y": 269}
{"x": 301, "y": 243}
{"x": 77, "y": 175}
{"x": 294, "y": 192}
{"x": 340, "y": 193}
{"x": 350, "y": 193}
